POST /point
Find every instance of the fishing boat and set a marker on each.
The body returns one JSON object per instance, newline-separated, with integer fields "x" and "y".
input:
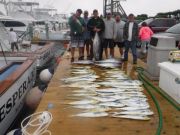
{"x": 17, "y": 77}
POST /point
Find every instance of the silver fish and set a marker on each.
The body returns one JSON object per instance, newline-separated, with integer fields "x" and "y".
{"x": 133, "y": 108}
{"x": 112, "y": 60}
{"x": 84, "y": 62}
{"x": 83, "y": 102}
{"x": 104, "y": 99}
{"x": 112, "y": 104}
{"x": 91, "y": 114}
{"x": 96, "y": 46}
{"x": 135, "y": 117}
{"x": 108, "y": 65}
{"x": 86, "y": 106}
{"x": 137, "y": 112}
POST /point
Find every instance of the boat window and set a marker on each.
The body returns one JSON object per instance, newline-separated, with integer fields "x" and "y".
{"x": 175, "y": 29}
{"x": 13, "y": 24}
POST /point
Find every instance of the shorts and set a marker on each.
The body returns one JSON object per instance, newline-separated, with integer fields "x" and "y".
{"x": 14, "y": 44}
{"x": 108, "y": 43}
{"x": 77, "y": 41}
{"x": 119, "y": 44}
{"x": 88, "y": 42}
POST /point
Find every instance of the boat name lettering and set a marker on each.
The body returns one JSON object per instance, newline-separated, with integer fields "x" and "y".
{"x": 7, "y": 107}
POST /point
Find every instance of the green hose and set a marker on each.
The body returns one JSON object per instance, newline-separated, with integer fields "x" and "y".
{"x": 140, "y": 71}
{"x": 160, "y": 124}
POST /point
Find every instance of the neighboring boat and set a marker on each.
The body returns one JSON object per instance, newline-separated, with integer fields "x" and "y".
{"x": 17, "y": 77}
{"x": 43, "y": 53}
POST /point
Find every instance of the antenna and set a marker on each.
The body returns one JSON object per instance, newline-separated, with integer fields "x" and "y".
{"x": 114, "y": 7}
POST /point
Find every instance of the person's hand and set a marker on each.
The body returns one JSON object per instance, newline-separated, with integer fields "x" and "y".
{"x": 94, "y": 29}
{"x": 74, "y": 18}
{"x": 97, "y": 30}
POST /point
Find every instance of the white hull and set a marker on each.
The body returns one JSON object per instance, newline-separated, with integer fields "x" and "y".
{"x": 12, "y": 99}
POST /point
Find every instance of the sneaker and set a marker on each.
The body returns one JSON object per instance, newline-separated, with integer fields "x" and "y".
{"x": 81, "y": 58}
{"x": 72, "y": 59}
{"x": 124, "y": 60}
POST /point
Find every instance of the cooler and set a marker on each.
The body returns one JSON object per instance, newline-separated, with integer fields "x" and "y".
{"x": 170, "y": 79}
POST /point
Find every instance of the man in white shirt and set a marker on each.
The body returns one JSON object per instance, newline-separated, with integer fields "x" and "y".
{"x": 109, "y": 35}
{"x": 13, "y": 39}
{"x": 130, "y": 35}
{"x": 118, "y": 36}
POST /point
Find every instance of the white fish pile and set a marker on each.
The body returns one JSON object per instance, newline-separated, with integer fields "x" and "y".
{"x": 115, "y": 96}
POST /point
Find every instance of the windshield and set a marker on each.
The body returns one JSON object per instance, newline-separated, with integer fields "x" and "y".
{"x": 175, "y": 29}
{"x": 13, "y": 24}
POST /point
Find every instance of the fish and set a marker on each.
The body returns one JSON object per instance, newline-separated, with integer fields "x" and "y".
{"x": 111, "y": 60}
{"x": 135, "y": 117}
{"x": 83, "y": 102}
{"x": 133, "y": 108}
{"x": 121, "y": 83}
{"x": 84, "y": 86}
{"x": 96, "y": 46}
{"x": 88, "y": 77}
{"x": 100, "y": 109}
{"x": 107, "y": 65}
{"x": 83, "y": 62}
{"x": 104, "y": 99}
{"x": 112, "y": 104}
{"x": 86, "y": 106}
{"x": 91, "y": 114}
{"x": 135, "y": 112}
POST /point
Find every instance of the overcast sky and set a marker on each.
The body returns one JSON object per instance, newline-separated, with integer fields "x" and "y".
{"x": 150, "y": 7}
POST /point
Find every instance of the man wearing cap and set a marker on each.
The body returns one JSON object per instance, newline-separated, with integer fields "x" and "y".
{"x": 130, "y": 35}
{"x": 109, "y": 35}
{"x": 87, "y": 38}
{"x": 96, "y": 24}
{"x": 76, "y": 32}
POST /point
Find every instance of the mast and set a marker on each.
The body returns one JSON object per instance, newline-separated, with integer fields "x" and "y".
{"x": 114, "y": 7}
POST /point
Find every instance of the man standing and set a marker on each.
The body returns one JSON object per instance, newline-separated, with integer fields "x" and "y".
{"x": 13, "y": 39}
{"x": 87, "y": 37}
{"x": 130, "y": 35}
{"x": 109, "y": 35}
{"x": 76, "y": 27}
{"x": 118, "y": 36}
{"x": 96, "y": 24}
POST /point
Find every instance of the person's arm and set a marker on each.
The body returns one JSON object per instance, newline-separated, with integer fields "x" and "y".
{"x": 151, "y": 32}
{"x": 137, "y": 31}
{"x": 90, "y": 26}
{"x": 125, "y": 32}
{"x": 140, "y": 32}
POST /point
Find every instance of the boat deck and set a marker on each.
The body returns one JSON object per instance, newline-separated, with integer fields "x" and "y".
{"x": 63, "y": 124}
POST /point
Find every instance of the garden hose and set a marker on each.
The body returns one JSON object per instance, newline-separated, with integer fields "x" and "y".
{"x": 160, "y": 124}
{"x": 140, "y": 71}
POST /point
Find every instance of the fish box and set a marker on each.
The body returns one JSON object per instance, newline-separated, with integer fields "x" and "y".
{"x": 170, "y": 79}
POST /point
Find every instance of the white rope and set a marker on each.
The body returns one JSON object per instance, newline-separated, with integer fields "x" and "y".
{"x": 38, "y": 123}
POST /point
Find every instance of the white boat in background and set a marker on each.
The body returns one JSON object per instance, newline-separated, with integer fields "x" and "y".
{"x": 43, "y": 53}
{"x": 16, "y": 79}
{"x": 9, "y": 22}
